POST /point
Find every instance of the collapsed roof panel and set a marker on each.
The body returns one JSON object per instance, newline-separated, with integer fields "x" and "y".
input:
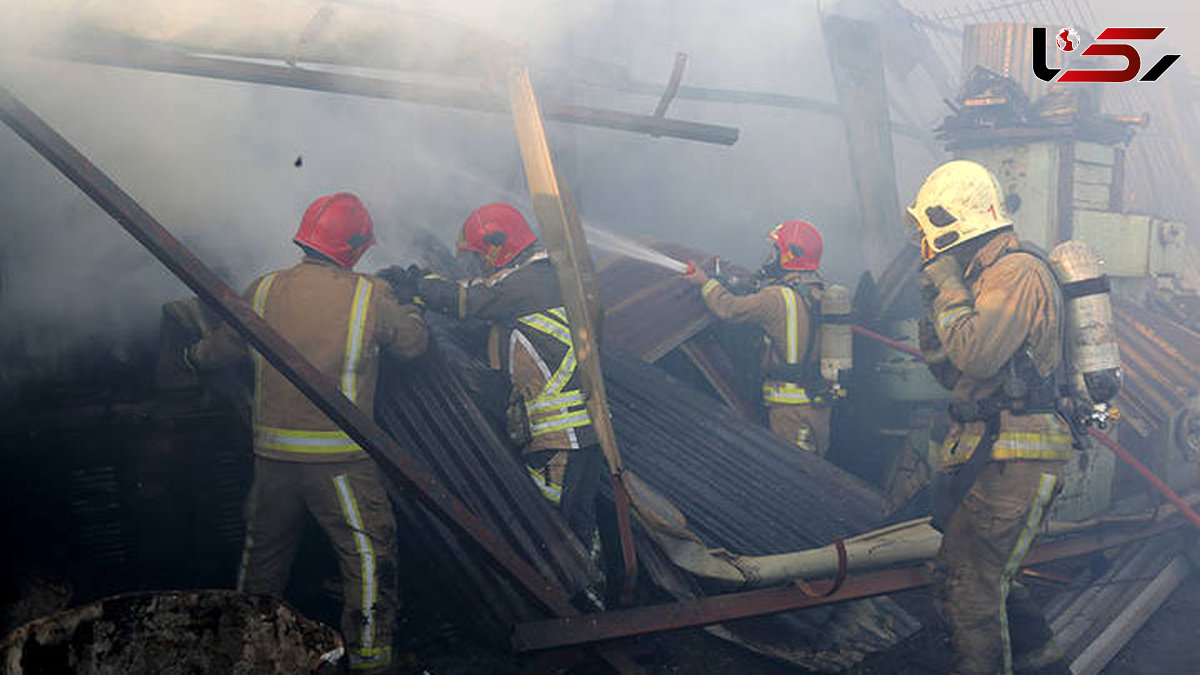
{"x": 1159, "y": 358}
{"x": 740, "y": 488}
{"x": 650, "y": 310}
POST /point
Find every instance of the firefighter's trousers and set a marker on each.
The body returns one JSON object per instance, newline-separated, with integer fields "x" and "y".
{"x": 806, "y": 426}
{"x": 982, "y": 550}
{"x": 571, "y": 479}
{"x": 349, "y": 502}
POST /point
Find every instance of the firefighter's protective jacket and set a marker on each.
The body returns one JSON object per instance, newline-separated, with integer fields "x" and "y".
{"x": 531, "y": 341}
{"x": 1009, "y": 301}
{"x": 340, "y": 321}
{"x": 783, "y": 313}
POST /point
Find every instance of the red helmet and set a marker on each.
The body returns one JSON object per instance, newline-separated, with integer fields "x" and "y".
{"x": 498, "y": 232}
{"x": 799, "y": 245}
{"x": 337, "y": 226}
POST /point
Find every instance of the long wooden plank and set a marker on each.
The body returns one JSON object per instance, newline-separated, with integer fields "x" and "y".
{"x": 563, "y": 236}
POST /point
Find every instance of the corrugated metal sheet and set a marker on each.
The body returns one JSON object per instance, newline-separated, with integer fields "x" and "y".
{"x": 427, "y": 407}
{"x": 650, "y": 310}
{"x": 1160, "y": 360}
{"x": 745, "y": 490}
{"x": 740, "y": 487}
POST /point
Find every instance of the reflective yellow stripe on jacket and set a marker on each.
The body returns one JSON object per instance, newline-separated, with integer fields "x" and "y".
{"x": 555, "y": 409}
{"x": 304, "y": 440}
{"x": 260, "y": 307}
{"x": 354, "y": 337}
{"x": 789, "y": 393}
{"x": 1014, "y": 444}
{"x": 550, "y": 489}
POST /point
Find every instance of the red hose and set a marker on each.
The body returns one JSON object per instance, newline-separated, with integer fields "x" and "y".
{"x": 1148, "y": 475}
{"x": 1107, "y": 442}
{"x": 894, "y": 344}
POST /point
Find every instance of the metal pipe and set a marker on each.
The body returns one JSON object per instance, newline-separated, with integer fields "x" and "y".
{"x": 315, "y": 385}
{"x": 171, "y": 61}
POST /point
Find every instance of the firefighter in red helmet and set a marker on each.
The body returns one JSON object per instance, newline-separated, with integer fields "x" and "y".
{"x": 530, "y": 340}
{"x": 785, "y": 307}
{"x": 340, "y": 321}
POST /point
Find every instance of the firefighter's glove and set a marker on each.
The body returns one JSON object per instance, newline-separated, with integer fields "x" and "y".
{"x": 945, "y": 275}
{"x": 405, "y": 283}
{"x": 942, "y": 271}
{"x": 935, "y": 355}
{"x": 695, "y": 275}
{"x": 927, "y": 338}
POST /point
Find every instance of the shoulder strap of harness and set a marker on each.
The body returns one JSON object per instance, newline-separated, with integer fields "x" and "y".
{"x": 1024, "y": 390}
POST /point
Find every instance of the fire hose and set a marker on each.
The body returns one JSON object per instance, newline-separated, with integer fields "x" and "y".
{"x": 1142, "y": 470}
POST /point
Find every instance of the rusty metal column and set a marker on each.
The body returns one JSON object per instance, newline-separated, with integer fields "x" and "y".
{"x": 573, "y": 264}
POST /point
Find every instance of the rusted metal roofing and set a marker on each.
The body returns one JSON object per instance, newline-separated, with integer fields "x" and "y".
{"x": 1161, "y": 362}
{"x": 650, "y": 310}
{"x": 740, "y": 487}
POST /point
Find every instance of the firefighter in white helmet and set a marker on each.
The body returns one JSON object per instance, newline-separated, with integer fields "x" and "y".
{"x": 993, "y": 336}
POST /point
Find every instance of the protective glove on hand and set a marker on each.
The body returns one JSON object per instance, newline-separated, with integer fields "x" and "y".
{"x": 695, "y": 275}
{"x": 927, "y": 338}
{"x": 941, "y": 271}
{"x": 405, "y": 283}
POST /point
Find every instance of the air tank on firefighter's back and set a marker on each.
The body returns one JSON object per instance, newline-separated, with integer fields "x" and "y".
{"x": 1093, "y": 358}
{"x": 837, "y": 355}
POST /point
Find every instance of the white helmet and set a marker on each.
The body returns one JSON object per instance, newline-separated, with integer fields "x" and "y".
{"x": 958, "y": 202}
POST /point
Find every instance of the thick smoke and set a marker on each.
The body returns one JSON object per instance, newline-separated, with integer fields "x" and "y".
{"x": 216, "y": 161}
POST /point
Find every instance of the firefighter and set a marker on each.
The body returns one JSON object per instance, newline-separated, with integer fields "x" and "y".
{"x": 340, "y": 321}
{"x": 993, "y": 336}
{"x": 530, "y": 340}
{"x": 784, "y": 306}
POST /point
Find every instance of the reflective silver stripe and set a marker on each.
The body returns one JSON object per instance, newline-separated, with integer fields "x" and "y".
{"x": 949, "y": 316}
{"x": 354, "y": 337}
{"x": 560, "y": 401}
{"x": 709, "y": 286}
{"x": 563, "y": 375}
{"x": 365, "y": 554}
{"x": 549, "y": 326}
{"x": 560, "y": 422}
{"x": 260, "y": 308}
{"x": 793, "y": 329}
{"x": 1024, "y": 540}
{"x": 550, "y": 490}
{"x": 567, "y": 420}
{"x": 516, "y": 338}
{"x": 303, "y": 440}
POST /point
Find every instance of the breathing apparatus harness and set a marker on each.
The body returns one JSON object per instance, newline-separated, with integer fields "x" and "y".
{"x": 1025, "y": 391}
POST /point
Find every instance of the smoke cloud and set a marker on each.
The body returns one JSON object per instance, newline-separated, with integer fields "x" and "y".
{"x": 216, "y": 162}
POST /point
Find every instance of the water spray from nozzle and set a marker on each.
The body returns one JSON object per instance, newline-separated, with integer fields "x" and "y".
{"x": 615, "y": 243}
